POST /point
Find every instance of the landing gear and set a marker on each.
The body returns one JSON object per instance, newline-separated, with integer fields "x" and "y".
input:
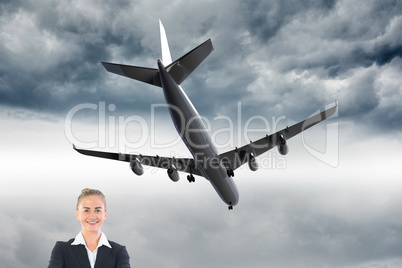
{"x": 230, "y": 206}
{"x": 230, "y": 172}
{"x": 190, "y": 178}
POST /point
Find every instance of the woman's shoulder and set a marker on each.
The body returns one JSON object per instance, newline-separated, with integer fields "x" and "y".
{"x": 120, "y": 253}
{"x": 64, "y": 243}
{"x": 114, "y": 244}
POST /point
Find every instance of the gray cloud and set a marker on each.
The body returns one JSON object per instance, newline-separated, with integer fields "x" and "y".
{"x": 52, "y": 52}
{"x": 54, "y": 59}
{"x": 306, "y": 215}
{"x": 296, "y": 227}
{"x": 265, "y": 19}
{"x": 343, "y": 37}
{"x": 25, "y": 223}
{"x": 353, "y": 103}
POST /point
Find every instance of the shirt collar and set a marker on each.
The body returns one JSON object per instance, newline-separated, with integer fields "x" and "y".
{"x": 79, "y": 240}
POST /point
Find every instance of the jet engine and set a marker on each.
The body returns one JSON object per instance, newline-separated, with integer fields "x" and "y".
{"x": 282, "y": 146}
{"x": 136, "y": 167}
{"x": 173, "y": 174}
{"x": 252, "y": 163}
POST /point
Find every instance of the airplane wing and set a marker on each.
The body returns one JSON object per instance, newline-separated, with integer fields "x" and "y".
{"x": 239, "y": 156}
{"x": 181, "y": 164}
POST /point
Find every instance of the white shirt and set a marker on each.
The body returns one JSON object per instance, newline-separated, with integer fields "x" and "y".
{"x": 79, "y": 240}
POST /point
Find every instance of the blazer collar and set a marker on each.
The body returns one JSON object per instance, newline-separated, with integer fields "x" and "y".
{"x": 79, "y": 239}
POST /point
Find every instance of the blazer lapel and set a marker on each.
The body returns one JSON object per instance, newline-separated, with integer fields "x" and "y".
{"x": 102, "y": 256}
{"x": 82, "y": 255}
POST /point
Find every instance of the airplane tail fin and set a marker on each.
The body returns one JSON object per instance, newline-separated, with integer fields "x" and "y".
{"x": 179, "y": 70}
{"x": 166, "y": 57}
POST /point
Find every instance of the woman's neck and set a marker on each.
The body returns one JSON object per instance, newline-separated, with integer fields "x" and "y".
{"x": 91, "y": 239}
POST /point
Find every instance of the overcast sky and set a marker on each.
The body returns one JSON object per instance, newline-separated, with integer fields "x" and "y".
{"x": 333, "y": 201}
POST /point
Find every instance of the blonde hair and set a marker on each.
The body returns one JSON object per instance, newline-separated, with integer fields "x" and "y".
{"x": 88, "y": 192}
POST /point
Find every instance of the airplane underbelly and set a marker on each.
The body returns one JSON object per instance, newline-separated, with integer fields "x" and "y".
{"x": 206, "y": 157}
{"x": 195, "y": 135}
{"x": 223, "y": 185}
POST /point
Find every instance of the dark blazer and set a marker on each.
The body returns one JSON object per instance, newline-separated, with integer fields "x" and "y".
{"x": 65, "y": 255}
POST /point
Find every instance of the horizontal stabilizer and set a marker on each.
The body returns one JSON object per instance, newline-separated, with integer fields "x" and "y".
{"x": 178, "y": 70}
{"x": 184, "y": 66}
{"x": 146, "y": 75}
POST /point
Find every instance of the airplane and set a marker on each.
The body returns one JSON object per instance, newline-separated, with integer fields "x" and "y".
{"x": 217, "y": 168}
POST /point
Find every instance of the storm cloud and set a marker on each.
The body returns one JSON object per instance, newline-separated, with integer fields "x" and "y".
{"x": 51, "y": 53}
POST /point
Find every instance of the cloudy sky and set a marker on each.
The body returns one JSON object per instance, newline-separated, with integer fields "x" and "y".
{"x": 333, "y": 201}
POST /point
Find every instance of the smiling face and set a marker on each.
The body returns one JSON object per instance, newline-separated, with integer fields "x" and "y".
{"x": 91, "y": 213}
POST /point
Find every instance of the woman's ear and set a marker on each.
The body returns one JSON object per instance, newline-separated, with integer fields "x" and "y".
{"x": 76, "y": 215}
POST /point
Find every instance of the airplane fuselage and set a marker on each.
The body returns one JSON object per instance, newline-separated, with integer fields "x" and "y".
{"x": 192, "y": 130}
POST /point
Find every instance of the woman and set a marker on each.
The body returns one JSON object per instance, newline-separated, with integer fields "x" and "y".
{"x": 90, "y": 248}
